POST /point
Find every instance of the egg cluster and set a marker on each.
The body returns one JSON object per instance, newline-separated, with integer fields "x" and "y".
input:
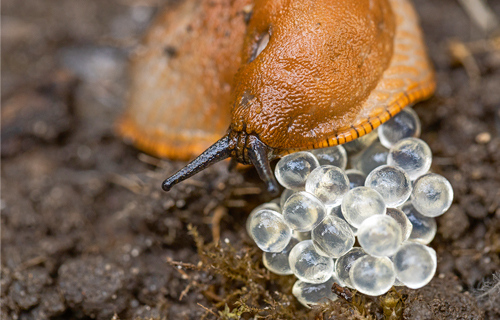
{"x": 387, "y": 202}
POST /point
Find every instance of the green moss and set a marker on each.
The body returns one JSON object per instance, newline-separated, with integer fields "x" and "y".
{"x": 242, "y": 288}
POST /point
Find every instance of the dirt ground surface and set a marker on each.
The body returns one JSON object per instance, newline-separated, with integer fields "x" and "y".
{"x": 87, "y": 232}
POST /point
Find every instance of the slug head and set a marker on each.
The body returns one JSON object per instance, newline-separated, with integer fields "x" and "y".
{"x": 307, "y": 66}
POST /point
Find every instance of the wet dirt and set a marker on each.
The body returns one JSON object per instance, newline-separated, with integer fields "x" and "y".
{"x": 87, "y": 232}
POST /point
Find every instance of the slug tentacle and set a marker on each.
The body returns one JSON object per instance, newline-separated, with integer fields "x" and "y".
{"x": 242, "y": 148}
{"x": 218, "y": 151}
{"x": 258, "y": 153}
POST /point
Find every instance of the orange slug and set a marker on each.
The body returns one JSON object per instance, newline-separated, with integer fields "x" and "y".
{"x": 272, "y": 77}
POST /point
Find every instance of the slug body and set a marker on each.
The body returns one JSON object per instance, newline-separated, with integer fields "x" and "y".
{"x": 314, "y": 74}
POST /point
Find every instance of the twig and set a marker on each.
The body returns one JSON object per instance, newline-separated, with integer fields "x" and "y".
{"x": 207, "y": 310}
{"x": 217, "y": 217}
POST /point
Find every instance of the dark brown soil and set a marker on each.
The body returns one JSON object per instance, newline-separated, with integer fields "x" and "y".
{"x": 88, "y": 233}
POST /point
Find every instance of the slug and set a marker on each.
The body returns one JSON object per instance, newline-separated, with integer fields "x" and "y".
{"x": 274, "y": 77}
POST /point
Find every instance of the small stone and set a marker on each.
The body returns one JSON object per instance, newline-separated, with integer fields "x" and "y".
{"x": 483, "y": 138}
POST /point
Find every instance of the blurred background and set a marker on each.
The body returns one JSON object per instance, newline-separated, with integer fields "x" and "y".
{"x": 87, "y": 233}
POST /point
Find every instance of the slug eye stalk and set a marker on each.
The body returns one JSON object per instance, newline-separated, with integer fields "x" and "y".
{"x": 253, "y": 151}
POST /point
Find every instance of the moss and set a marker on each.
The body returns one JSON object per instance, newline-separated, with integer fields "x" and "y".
{"x": 242, "y": 288}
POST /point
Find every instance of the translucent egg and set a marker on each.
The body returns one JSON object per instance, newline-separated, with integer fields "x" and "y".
{"x": 405, "y": 124}
{"x": 415, "y": 264}
{"x": 432, "y": 195}
{"x": 277, "y": 202}
{"x": 333, "y": 237}
{"x": 308, "y": 265}
{"x": 267, "y": 205}
{"x": 361, "y": 143}
{"x": 424, "y": 228}
{"x": 361, "y": 203}
{"x": 303, "y": 211}
{"x": 392, "y": 183}
{"x": 356, "y": 178}
{"x": 328, "y": 184}
{"x": 269, "y": 231}
{"x": 277, "y": 262}
{"x": 380, "y": 235}
{"x": 284, "y": 197}
{"x": 372, "y": 276}
{"x": 343, "y": 265}
{"x": 314, "y": 293}
{"x": 372, "y": 157}
{"x": 292, "y": 170}
{"x": 402, "y": 220}
{"x": 412, "y": 155}
{"x": 337, "y": 212}
{"x": 332, "y": 156}
{"x": 306, "y": 235}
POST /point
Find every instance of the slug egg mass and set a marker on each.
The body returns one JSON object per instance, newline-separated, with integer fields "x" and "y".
{"x": 405, "y": 124}
{"x": 380, "y": 235}
{"x": 333, "y": 237}
{"x": 432, "y": 195}
{"x": 392, "y": 183}
{"x": 356, "y": 178}
{"x": 277, "y": 262}
{"x": 308, "y": 265}
{"x": 303, "y": 211}
{"x": 415, "y": 264}
{"x": 292, "y": 170}
{"x": 423, "y": 228}
{"x": 402, "y": 220}
{"x": 269, "y": 231}
{"x": 412, "y": 155}
{"x": 314, "y": 293}
{"x": 328, "y": 184}
{"x": 333, "y": 156}
{"x": 361, "y": 203}
{"x": 372, "y": 276}
{"x": 388, "y": 209}
{"x": 343, "y": 265}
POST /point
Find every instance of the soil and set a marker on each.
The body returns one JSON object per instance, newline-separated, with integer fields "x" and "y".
{"x": 87, "y": 232}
